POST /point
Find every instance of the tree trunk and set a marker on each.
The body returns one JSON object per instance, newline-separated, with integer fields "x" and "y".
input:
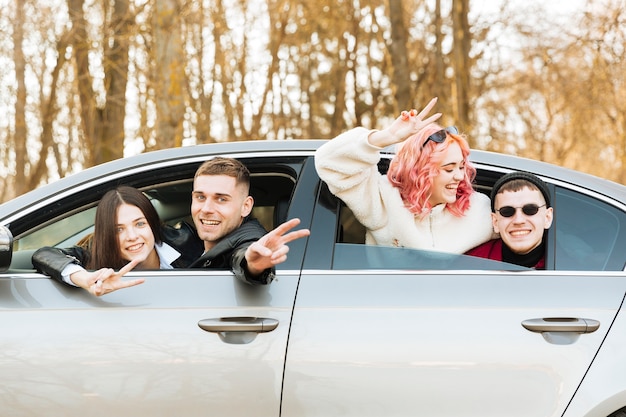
{"x": 111, "y": 143}
{"x": 20, "y": 136}
{"x": 399, "y": 56}
{"x": 49, "y": 111}
{"x": 90, "y": 117}
{"x": 169, "y": 75}
{"x": 462, "y": 67}
{"x": 440, "y": 85}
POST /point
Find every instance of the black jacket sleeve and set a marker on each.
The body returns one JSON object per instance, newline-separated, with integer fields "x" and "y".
{"x": 230, "y": 253}
{"x": 51, "y": 261}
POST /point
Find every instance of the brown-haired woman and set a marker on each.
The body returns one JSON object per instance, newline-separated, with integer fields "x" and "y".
{"x": 128, "y": 233}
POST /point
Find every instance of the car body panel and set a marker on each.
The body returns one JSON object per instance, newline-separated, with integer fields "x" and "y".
{"x": 436, "y": 343}
{"x": 604, "y": 388}
{"x": 439, "y": 344}
{"x": 362, "y": 330}
{"x": 140, "y": 351}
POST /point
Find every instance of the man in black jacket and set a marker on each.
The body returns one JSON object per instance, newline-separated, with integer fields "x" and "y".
{"x": 229, "y": 238}
{"x": 220, "y": 206}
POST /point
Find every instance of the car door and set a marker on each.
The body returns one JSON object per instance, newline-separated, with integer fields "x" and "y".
{"x": 184, "y": 343}
{"x": 191, "y": 343}
{"x": 394, "y": 332}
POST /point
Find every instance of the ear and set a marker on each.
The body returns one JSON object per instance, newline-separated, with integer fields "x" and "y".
{"x": 247, "y": 205}
{"x": 494, "y": 222}
{"x": 549, "y": 217}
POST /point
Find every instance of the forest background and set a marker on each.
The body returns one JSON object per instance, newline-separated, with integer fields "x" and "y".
{"x": 83, "y": 82}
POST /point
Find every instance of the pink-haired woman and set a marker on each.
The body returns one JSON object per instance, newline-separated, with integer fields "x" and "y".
{"x": 426, "y": 200}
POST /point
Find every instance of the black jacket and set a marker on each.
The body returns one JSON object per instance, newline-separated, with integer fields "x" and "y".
{"x": 228, "y": 253}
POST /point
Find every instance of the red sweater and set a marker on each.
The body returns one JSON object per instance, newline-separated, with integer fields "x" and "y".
{"x": 493, "y": 250}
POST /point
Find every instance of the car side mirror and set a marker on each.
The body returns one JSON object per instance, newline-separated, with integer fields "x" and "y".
{"x": 6, "y": 248}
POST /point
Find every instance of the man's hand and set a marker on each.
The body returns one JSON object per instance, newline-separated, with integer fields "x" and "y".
{"x": 272, "y": 248}
{"x": 105, "y": 280}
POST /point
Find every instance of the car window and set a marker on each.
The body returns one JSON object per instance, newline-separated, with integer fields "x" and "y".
{"x": 62, "y": 233}
{"x": 354, "y": 256}
{"x": 590, "y": 234}
{"x": 272, "y": 186}
{"x": 352, "y": 253}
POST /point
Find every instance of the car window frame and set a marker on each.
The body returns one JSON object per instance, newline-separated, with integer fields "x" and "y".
{"x": 331, "y": 210}
{"x": 146, "y": 177}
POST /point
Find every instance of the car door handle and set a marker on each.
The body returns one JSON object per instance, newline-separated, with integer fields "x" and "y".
{"x": 238, "y": 324}
{"x": 238, "y": 330}
{"x": 561, "y": 324}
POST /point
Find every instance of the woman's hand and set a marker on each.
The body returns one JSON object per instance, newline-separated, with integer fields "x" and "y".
{"x": 105, "y": 280}
{"x": 408, "y": 124}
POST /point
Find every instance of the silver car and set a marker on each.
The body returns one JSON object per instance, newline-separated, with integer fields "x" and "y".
{"x": 347, "y": 329}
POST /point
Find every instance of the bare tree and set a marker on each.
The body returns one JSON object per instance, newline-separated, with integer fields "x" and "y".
{"x": 116, "y": 41}
{"x": 561, "y": 95}
{"x": 169, "y": 76}
{"x": 102, "y": 121}
{"x": 216, "y": 70}
{"x": 399, "y": 55}
{"x": 20, "y": 137}
{"x": 461, "y": 62}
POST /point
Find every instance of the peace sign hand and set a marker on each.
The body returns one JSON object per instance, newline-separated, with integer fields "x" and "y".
{"x": 105, "y": 280}
{"x": 271, "y": 249}
{"x": 408, "y": 124}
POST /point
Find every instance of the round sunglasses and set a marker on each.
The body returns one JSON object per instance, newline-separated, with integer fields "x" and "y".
{"x": 527, "y": 209}
{"x": 440, "y": 136}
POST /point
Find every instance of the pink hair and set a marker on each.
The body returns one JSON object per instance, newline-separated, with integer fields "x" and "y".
{"x": 413, "y": 168}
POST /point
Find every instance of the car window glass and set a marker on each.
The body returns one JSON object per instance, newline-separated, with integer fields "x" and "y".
{"x": 590, "y": 234}
{"x": 355, "y": 256}
{"x": 351, "y": 252}
{"x": 65, "y": 232}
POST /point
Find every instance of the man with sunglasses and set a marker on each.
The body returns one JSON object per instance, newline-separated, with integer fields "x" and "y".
{"x": 521, "y": 215}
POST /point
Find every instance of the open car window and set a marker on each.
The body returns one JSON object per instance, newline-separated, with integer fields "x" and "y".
{"x": 587, "y": 234}
{"x": 272, "y": 185}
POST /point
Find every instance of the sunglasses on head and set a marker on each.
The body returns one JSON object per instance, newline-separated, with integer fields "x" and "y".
{"x": 527, "y": 209}
{"x": 440, "y": 136}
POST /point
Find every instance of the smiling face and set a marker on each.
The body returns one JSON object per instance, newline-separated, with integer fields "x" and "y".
{"x": 218, "y": 206}
{"x": 521, "y": 232}
{"x": 134, "y": 234}
{"x": 451, "y": 173}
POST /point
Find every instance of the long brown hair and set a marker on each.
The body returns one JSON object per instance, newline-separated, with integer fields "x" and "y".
{"x": 105, "y": 249}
